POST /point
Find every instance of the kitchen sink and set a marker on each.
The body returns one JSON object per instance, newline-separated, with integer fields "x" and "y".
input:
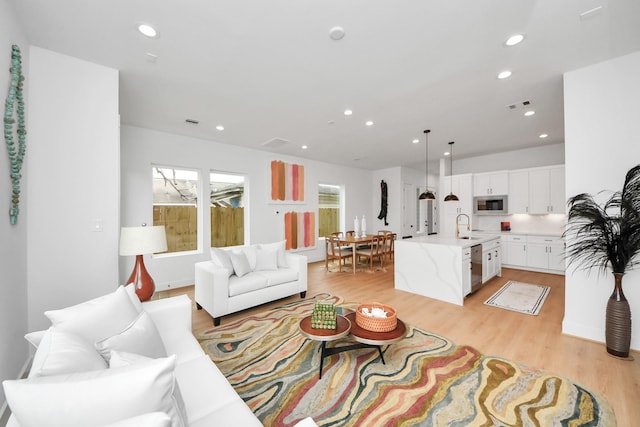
{"x": 470, "y": 238}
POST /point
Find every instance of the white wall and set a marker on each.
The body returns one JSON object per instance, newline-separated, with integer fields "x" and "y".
{"x": 73, "y": 172}
{"x": 13, "y": 240}
{"x": 142, "y": 148}
{"x": 602, "y": 143}
{"x": 544, "y": 155}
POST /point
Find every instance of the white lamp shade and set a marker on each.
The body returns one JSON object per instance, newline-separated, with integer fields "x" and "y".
{"x": 142, "y": 240}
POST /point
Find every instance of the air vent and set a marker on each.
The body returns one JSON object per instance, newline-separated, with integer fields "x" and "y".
{"x": 275, "y": 143}
{"x": 192, "y": 122}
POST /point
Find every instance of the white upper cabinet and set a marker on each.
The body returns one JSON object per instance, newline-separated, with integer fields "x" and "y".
{"x": 491, "y": 184}
{"x": 518, "y": 192}
{"x": 460, "y": 185}
{"x": 546, "y": 190}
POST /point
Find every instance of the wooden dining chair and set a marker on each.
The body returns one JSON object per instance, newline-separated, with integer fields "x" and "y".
{"x": 374, "y": 251}
{"x": 335, "y": 251}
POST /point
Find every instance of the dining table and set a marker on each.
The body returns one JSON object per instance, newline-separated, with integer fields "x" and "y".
{"x": 354, "y": 242}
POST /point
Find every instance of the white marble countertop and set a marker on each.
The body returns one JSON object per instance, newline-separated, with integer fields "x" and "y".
{"x": 437, "y": 239}
{"x": 519, "y": 233}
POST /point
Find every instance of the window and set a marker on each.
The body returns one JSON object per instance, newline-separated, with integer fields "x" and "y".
{"x": 329, "y": 197}
{"x": 227, "y": 209}
{"x": 175, "y": 205}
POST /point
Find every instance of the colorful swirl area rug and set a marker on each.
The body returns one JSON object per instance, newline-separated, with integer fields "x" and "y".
{"x": 427, "y": 380}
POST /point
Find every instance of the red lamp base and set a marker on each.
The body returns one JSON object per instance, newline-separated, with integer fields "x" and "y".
{"x": 141, "y": 279}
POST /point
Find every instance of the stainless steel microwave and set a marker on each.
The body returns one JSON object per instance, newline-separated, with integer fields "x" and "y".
{"x": 490, "y": 205}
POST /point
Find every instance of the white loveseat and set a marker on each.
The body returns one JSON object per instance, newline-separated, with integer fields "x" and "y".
{"x": 150, "y": 372}
{"x": 241, "y": 277}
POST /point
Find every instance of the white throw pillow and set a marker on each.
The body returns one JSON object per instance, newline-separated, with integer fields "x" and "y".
{"x": 152, "y": 419}
{"x": 35, "y": 338}
{"x": 64, "y": 353}
{"x": 240, "y": 263}
{"x": 119, "y": 359}
{"x": 250, "y": 252}
{"x": 221, "y": 258}
{"x": 266, "y": 259}
{"x": 282, "y": 253}
{"x": 95, "y": 398}
{"x": 135, "y": 300}
{"x": 97, "y": 318}
{"x": 140, "y": 337}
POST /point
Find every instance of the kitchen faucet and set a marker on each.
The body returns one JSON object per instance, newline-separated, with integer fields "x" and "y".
{"x": 458, "y": 224}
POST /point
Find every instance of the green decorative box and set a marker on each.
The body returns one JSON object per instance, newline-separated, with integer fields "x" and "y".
{"x": 324, "y": 316}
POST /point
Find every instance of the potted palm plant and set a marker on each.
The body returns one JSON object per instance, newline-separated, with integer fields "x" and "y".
{"x": 607, "y": 237}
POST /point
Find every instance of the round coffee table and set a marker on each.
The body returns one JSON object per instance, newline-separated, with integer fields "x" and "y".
{"x": 326, "y": 335}
{"x": 347, "y": 325}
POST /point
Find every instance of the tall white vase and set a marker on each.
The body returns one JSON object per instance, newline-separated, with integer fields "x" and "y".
{"x": 356, "y": 226}
{"x": 364, "y": 226}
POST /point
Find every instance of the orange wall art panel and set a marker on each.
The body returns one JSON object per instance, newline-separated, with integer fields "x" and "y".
{"x": 300, "y": 230}
{"x": 287, "y": 182}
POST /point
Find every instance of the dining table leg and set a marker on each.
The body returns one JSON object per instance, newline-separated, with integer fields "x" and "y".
{"x": 353, "y": 262}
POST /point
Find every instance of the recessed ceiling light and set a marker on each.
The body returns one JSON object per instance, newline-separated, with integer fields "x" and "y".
{"x": 336, "y": 33}
{"x": 514, "y": 39}
{"x": 348, "y": 112}
{"x": 147, "y": 30}
{"x": 529, "y": 113}
{"x": 415, "y": 141}
{"x": 504, "y": 74}
{"x": 543, "y": 135}
{"x": 304, "y": 147}
{"x": 368, "y": 123}
{"x": 446, "y": 153}
{"x": 220, "y": 127}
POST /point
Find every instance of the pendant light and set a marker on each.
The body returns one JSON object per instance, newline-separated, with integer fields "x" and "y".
{"x": 451, "y": 197}
{"x": 427, "y": 195}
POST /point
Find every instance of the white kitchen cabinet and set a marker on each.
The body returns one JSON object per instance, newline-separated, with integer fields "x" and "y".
{"x": 518, "y": 192}
{"x": 492, "y": 183}
{"x": 516, "y": 250}
{"x": 491, "y": 260}
{"x": 546, "y": 253}
{"x": 466, "y": 271}
{"x": 461, "y": 187}
{"x": 546, "y": 190}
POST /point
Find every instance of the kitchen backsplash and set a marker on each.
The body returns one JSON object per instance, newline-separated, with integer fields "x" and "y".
{"x": 522, "y": 223}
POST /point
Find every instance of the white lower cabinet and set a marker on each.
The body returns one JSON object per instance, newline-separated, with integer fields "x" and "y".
{"x": 536, "y": 252}
{"x": 491, "y": 260}
{"x": 466, "y": 271}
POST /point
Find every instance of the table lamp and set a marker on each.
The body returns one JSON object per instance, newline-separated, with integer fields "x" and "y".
{"x": 139, "y": 241}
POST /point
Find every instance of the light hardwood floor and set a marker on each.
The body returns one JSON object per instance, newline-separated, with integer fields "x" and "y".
{"x": 533, "y": 340}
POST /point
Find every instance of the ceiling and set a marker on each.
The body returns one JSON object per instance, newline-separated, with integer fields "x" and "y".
{"x": 269, "y": 70}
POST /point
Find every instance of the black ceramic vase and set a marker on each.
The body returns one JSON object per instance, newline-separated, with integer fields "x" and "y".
{"x": 618, "y": 324}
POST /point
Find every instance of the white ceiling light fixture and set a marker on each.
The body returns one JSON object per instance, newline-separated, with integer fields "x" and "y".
{"x": 543, "y": 135}
{"x": 147, "y": 30}
{"x": 304, "y": 147}
{"x": 220, "y": 127}
{"x": 514, "y": 40}
{"x": 504, "y": 74}
{"x": 415, "y": 141}
{"x": 529, "y": 113}
{"x": 348, "y": 112}
{"x": 369, "y": 123}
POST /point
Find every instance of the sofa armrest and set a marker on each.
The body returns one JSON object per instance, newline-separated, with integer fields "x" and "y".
{"x": 212, "y": 288}
{"x": 170, "y": 313}
{"x": 299, "y": 263}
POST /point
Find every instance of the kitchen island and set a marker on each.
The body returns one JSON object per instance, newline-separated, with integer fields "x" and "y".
{"x": 440, "y": 267}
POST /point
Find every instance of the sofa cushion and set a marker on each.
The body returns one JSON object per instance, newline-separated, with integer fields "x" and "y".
{"x": 250, "y": 252}
{"x": 152, "y": 419}
{"x": 35, "y": 337}
{"x": 248, "y": 283}
{"x": 97, "y": 318}
{"x": 221, "y": 258}
{"x": 140, "y": 336}
{"x": 95, "y": 398}
{"x": 266, "y": 259}
{"x": 240, "y": 263}
{"x": 63, "y": 352}
{"x": 281, "y": 252}
{"x": 279, "y": 276}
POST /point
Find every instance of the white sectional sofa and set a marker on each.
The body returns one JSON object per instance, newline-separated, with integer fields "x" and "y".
{"x": 241, "y": 277}
{"x": 113, "y": 361}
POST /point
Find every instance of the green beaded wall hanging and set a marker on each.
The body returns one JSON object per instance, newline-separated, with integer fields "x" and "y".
{"x": 16, "y": 157}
